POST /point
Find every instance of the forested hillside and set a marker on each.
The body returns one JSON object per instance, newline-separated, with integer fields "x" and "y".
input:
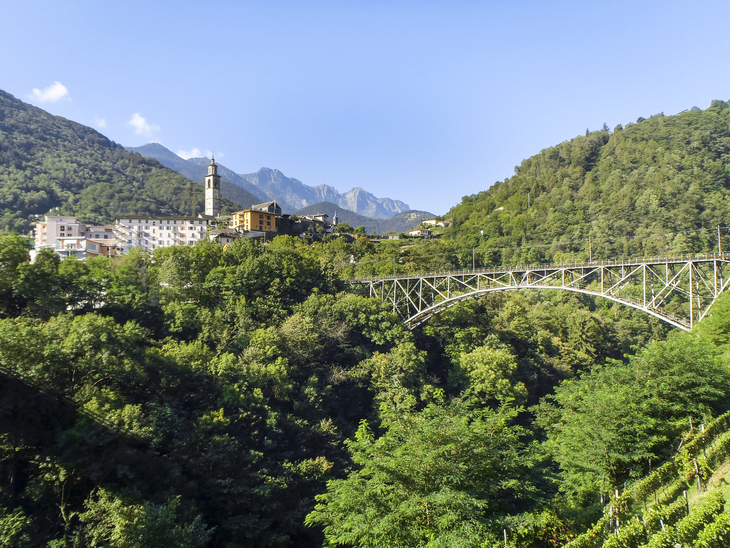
{"x": 658, "y": 186}
{"x": 210, "y": 397}
{"x": 49, "y": 162}
{"x": 248, "y": 397}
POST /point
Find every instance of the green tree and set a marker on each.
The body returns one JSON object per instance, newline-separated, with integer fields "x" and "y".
{"x": 13, "y": 253}
{"x": 490, "y": 373}
{"x": 609, "y": 425}
{"x": 113, "y": 522}
{"x": 440, "y": 477}
{"x": 39, "y": 284}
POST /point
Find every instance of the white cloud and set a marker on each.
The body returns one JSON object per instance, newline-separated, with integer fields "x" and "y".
{"x": 142, "y": 127}
{"x": 197, "y": 153}
{"x": 100, "y": 122}
{"x": 51, "y": 94}
{"x": 186, "y": 154}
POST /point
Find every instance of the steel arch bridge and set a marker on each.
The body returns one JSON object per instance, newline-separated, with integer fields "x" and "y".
{"x": 677, "y": 290}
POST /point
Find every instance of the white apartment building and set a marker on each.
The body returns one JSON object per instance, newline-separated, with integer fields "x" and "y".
{"x": 153, "y": 232}
{"x": 68, "y": 238}
{"x": 56, "y": 226}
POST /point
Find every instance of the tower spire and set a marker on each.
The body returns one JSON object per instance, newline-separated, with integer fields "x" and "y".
{"x": 212, "y": 189}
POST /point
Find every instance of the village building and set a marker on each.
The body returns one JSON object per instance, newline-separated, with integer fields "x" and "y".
{"x": 420, "y": 233}
{"x": 67, "y": 237}
{"x": 152, "y": 232}
{"x": 77, "y": 247}
{"x": 54, "y": 227}
{"x": 259, "y": 217}
{"x": 212, "y": 185}
{"x": 317, "y": 217}
{"x": 224, "y": 237}
{"x": 434, "y": 222}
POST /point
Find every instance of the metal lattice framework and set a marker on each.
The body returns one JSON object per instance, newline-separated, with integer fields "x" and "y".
{"x": 679, "y": 291}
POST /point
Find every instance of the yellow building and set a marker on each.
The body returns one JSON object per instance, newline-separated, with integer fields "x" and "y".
{"x": 261, "y": 217}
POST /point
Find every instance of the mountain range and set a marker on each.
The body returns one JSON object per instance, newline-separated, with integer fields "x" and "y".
{"x": 233, "y": 186}
{"x": 271, "y": 184}
{"x": 398, "y": 223}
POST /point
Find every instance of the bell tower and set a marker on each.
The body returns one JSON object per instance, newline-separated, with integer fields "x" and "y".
{"x": 212, "y": 190}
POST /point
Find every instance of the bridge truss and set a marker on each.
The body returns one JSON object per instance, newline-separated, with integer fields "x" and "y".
{"x": 679, "y": 291}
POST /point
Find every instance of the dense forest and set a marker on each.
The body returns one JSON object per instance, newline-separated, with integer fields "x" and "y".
{"x": 655, "y": 187}
{"x": 208, "y": 397}
{"x": 50, "y": 163}
{"x": 250, "y": 397}
{"x": 658, "y": 187}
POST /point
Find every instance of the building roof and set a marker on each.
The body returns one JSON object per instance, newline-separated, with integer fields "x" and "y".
{"x": 226, "y": 234}
{"x": 265, "y": 204}
{"x": 161, "y": 217}
{"x": 253, "y": 209}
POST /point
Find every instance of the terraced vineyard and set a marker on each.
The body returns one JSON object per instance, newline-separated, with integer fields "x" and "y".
{"x": 677, "y": 504}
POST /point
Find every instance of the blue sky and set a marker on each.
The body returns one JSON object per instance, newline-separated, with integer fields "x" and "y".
{"x": 424, "y": 102}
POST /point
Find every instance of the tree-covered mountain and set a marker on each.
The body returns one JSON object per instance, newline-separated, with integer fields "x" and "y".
{"x": 290, "y": 193}
{"x": 204, "y": 397}
{"x": 398, "y": 223}
{"x": 49, "y": 162}
{"x": 658, "y": 186}
{"x": 208, "y": 396}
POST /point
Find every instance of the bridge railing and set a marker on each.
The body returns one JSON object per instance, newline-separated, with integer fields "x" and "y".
{"x": 550, "y": 266}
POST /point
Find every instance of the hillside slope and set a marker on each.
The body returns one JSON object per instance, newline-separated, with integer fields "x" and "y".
{"x": 50, "y": 162}
{"x": 658, "y": 186}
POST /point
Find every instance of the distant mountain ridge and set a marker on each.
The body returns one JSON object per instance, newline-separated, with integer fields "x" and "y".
{"x": 233, "y": 186}
{"x": 272, "y": 184}
{"x": 401, "y": 222}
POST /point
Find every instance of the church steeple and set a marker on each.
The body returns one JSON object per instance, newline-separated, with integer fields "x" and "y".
{"x": 212, "y": 190}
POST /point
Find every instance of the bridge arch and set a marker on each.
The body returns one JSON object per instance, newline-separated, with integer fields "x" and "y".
{"x": 689, "y": 285}
{"x": 427, "y": 314}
